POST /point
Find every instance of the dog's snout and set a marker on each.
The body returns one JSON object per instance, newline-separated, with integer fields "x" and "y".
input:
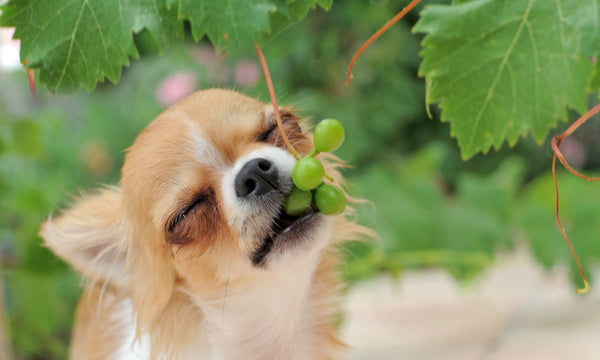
{"x": 257, "y": 177}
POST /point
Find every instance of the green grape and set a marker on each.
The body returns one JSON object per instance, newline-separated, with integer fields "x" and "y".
{"x": 330, "y": 200}
{"x": 329, "y": 135}
{"x": 308, "y": 173}
{"x": 297, "y": 201}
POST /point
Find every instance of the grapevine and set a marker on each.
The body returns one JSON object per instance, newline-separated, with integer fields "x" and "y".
{"x": 308, "y": 173}
{"x": 556, "y": 142}
{"x": 265, "y": 67}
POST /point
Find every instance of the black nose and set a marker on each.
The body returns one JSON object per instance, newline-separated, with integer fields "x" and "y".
{"x": 257, "y": 177}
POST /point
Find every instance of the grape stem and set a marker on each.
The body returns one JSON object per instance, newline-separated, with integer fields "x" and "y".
{"x": 556, "y": 142}
{"x": 314, "y": 153}
{"x": 265, "y": 68}
{"x": 31, "y": 76}
{"x": 377, "y": 34}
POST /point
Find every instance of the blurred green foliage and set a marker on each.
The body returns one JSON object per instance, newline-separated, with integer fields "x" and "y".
{"x": 429, "y": 207}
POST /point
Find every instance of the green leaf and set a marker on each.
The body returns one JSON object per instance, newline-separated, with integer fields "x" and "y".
{"x": 226, "y": 22}
{"x": 502, "y": 69}
{"x": 78, "y": 43}
{"x": 585, "y": 20}
{"x": 325, "y": 4}
{"x": 160, "y": 21}
{"x": 300, "y": 8}
{"x": 240, "y": 23}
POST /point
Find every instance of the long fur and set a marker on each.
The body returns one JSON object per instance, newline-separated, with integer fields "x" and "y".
{"x": 149, "y": 299}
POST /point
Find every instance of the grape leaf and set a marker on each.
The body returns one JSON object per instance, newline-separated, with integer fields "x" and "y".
{"x": 155, "y": 16}
{"x": 300, "y": 8}
{"x": 226, "y": 22}
{"x": 78, "y": 43}
{"x": 585, "y": 19}
{"x": 325, "y": 4}
{"x": 240, "y": 23}
{"x": 288, "y": 13}
{"x": 501, "y": 69}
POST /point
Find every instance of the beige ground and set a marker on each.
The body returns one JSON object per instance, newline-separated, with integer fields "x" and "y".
{"x": 514, "y": 311}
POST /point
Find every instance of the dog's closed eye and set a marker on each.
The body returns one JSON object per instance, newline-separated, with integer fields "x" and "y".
{"x": 264, "y": 136}
{"x": 182, "y": 214}
{"x": 179, "y": 231}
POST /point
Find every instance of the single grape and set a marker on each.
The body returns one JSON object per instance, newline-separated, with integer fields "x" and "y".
{"x": 297, "y": 201}
{"x": 330, "y": 200}
{"x": 329, "y": 135}
{"x": 308, "y": 173}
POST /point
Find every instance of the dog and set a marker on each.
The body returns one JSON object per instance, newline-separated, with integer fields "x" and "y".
{"x": 192, "y": 257}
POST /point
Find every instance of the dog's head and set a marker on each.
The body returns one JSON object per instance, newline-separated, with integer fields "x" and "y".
{"x": 199, "y": 207}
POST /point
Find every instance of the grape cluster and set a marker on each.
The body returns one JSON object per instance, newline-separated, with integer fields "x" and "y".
{"x": 308, "y": 175}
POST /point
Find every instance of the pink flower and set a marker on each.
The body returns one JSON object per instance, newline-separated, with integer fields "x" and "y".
{"x": 175, "y": 87}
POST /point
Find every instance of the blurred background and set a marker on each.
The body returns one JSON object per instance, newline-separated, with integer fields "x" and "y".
{"x": 469, "y": 260}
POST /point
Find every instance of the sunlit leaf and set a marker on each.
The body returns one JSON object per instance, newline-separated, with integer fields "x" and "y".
{"x": 503, "y": 69}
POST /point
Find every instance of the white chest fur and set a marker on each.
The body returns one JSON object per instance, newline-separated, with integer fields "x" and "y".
{"x": 131, "y": 349}
{"x": 268, "y": 321}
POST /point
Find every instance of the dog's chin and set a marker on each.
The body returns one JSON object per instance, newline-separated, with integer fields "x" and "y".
{"x": 289, "y": 236}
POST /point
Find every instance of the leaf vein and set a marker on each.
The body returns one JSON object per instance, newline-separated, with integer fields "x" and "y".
{"x": 561, "y": 21}
{"x": 467, "y": 100}
{"x": 100, "y": 32}
{"x": 477, "y": 39}
{"x": 68, "y": 59}
{"x": 46, "y": 24}
{"x": 456, "y": 79}
{"x": 492, "y": 88}
{"x": 513, "y": 83}
{"x": 536, "y": 79}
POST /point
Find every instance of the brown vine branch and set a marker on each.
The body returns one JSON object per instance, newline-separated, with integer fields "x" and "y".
{"x": 377, "y": 34}
{"x": 556, "y": 142}
{"x": 265, "y": 67}
{"x": 31, "y": 76}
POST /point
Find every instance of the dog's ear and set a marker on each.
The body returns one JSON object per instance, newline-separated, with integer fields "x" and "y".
{"x": 91, "y": 236}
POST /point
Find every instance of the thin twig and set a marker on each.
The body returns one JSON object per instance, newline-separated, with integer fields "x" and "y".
{"x": 265, "y": 67}
{"x": 31, "y": 76}
{"x": 377, "y": 34}
{"x": 555, "y": 143}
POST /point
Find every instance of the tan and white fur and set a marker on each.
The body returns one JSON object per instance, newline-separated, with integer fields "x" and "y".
{"x": 187, "y": 259}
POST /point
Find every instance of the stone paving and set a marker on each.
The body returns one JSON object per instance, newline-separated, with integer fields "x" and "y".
{"x": 515, "y": 310}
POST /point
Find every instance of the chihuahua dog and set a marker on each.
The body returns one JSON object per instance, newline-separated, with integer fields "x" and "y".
{"x": 192, "y": 257}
